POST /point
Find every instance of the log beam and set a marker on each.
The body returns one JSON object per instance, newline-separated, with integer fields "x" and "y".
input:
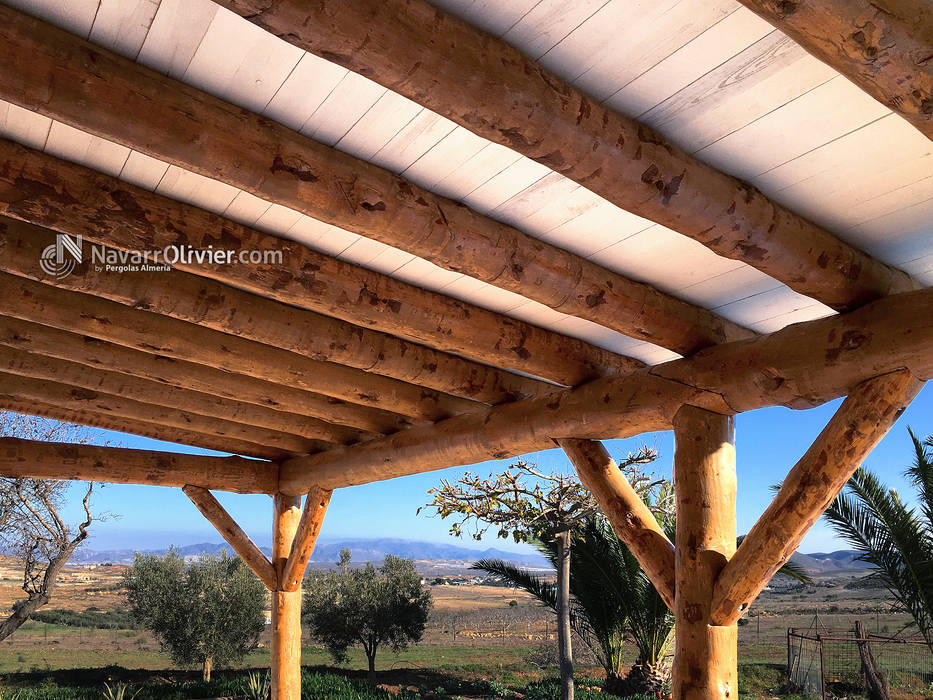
{"x": 234, "y": 535}
{"x": 286, "y": 605}
{"x": 309, "y": 527}
{"x": 179, "y": 124}
{"x": 55, "y": 460}
{"x": 492, "y": 89}
{"x": 73, "y": 199}
{"x": 705, "y": 655}
{"x": 862, "y": 420}
{"x": 800, "y": 366}
{"x": 631, "y": 519}
{"x": 883, "y": 46}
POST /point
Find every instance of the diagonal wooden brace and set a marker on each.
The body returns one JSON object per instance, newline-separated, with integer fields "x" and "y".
{"x": 234, "y": 535}
{"x": 309, "y": 527}
{"x": 631, "y": 519}
{"x": 862, "y": 420}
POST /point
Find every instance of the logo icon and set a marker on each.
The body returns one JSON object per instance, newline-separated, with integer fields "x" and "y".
{"x": 59, "y": 259}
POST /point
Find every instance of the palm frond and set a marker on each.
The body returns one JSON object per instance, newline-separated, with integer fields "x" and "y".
{"x": 520, "y": 578}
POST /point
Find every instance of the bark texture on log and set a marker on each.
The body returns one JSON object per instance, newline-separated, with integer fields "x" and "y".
{"x": 268, "y": 160}
{"x": 864, "y": 418}
{"x": 631, "y": 519}
{"x": 490, "y": 88}
{"x": 286, "y": 605}
{"x": 883, "y": 46}
{"x": 309, "y": 527}
{"x": 799, "y": 366}
{"x": 44, "y": 460}
{"x": 705, "y": 656}
{"x": 234, "y": 535}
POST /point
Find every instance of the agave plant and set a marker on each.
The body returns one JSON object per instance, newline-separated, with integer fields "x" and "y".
{"x": 120, "y": 691}
{"x": 258, "y": 686}
{"x": 896, "y": 540}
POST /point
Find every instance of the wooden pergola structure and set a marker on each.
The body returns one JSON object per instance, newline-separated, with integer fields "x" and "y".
{"x": 496, "y": 227}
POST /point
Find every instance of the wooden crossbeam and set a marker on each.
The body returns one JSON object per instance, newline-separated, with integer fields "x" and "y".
{"x": 73, "y": 199}
{"x": 799, "y": 366}
{"x": 255, "y": 372}
{"x": 631, "y": 519}
{"x": 101, "y": 419}
{"x": 183, "y": 126}
{"x": 78, "y": 399}
{"x": 862, "y": 420}
{"x": 490, "y": 88}
{"x": 287, "y": 405}
{"x": 145, "y": 391}
{"x": 119, "y": 465}
{"x": 883, "y": 46}
{"x": 234, "y": 535}
{"x": 309, "y": 527}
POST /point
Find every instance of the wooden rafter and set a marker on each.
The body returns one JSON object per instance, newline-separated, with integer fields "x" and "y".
{"x": 245, "y": 548}
{"x": 490, "y": 88}
{"x": 53, "y": 343}
{"x": 189, "y": 319}
{"x": 309, "y": 527}
{"x": 883, "y": 46}
{"x": 799, "y": 366}
{"x": 100, "y": 419}
{"x": 52, "y": 460}
{"x": 632, "y": 521}
{"x": 145, "y": 391}
{"x": 865, "y": 416}
{"x": 183, "y": 126}
{"x": 76, "y": 398}
{"x": 73, "y": 199}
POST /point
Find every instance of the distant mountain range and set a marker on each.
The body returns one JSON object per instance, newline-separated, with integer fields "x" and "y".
{"x": 374, "y": 550}
{"x": 361, "y": 550}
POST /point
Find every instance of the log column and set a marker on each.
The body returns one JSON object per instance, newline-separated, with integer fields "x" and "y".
{"x": 286, "y": 605}
{"x": 704, "y": 485}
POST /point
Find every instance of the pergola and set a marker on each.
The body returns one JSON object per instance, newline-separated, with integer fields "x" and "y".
{"x": 495, "y": 227}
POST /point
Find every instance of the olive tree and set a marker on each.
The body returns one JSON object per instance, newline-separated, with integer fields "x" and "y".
{"x": 204, "y": 613}
{"x": 369, "y": 607}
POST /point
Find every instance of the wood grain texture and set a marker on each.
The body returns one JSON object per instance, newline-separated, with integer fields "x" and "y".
{"x": 286, "y": 605}
{"x": 119, "y": 465}
{"x": 862, "y": 420}
{"x": 309, "y": 527}
{"x": 800, "y": 366}
{"x": 183, "y": 126}
{"x": 883, "y": 46}
{"x": 73, "y": 199}
{"x": 232, "y": 533}
{"x": 490, "y": 88}
{"x": 705, "y": 656}
{"x": 633, "y": 523}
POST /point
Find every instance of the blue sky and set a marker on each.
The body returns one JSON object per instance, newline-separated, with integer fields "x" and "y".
{"x": 768, "y": 442}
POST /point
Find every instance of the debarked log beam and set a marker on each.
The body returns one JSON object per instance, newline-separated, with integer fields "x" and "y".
{"x": 883, "y": 46}
{"x": 227, "y": 527}
{"x": 73, "y": 199}
{"x": 181, "y": 125}
{"x": 799, "y": 366}
{"x": 631, "y": 519}
{"x": 309, "y": 527}
{"x": 119, "y": 465}
{"x": 492, "y": 89}
{"x": 862, "y": 420}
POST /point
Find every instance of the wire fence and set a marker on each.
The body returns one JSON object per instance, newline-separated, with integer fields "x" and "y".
{"x": 829, "y": 663}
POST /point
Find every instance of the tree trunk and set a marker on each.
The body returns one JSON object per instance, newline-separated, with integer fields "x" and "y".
{"x": 565, "y": 650}
{"x": 371, "y": 658}
{"x": 206, "y": 669}
{"x": 875, "y": 682}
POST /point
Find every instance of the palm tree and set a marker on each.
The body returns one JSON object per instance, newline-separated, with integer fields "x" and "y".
{"x": 895, "y": 539}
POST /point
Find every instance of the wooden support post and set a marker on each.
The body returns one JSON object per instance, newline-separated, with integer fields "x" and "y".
{"x": 247, "y": 550}
{"x": 312, "y": 517}
{"x": 286, "y": 605}
{"x": 633, "y": 523}
{"x": 704, "y": 487}
{"x": 861, "y": 421}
